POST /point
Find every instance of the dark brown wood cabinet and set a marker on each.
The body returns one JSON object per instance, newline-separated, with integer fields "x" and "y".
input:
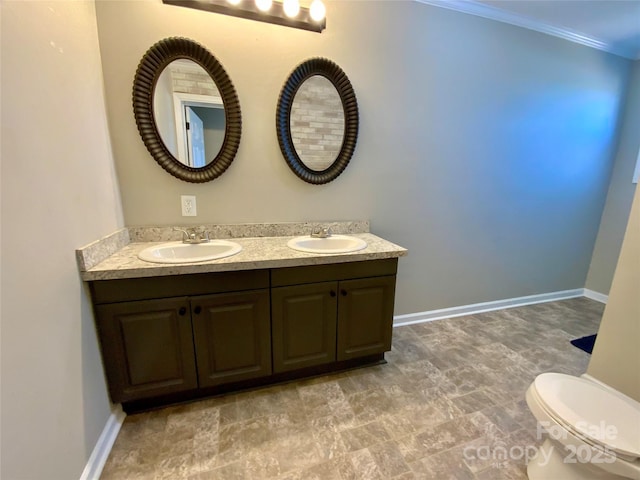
{"x": 365, "y": 316}
{"x": 166, "y": 339}
{"x": 231, "y": 336}
{"x": 319, "y": 322}
{"x": 147, "y": 348}
{"x": 153, "y": 346}
{"x": 303, "y": 325}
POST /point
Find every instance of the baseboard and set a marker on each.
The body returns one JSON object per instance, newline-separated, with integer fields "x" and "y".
{"x": 428, "y": 316}
{"x": 597, "y": 296}
{"x": 98, "y": 458}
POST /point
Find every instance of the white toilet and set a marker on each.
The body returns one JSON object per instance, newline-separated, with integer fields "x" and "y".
{"x": 592, "y": 431}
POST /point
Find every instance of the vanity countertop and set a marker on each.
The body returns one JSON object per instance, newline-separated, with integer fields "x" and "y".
{"x": 257, "y": 253}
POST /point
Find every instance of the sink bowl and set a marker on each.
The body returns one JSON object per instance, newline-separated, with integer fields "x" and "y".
{"x": 332, "y": 244}
{"x": 178, "y": 252}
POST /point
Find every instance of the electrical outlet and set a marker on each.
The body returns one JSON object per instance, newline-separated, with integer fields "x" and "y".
{"x": 188, "y": 203}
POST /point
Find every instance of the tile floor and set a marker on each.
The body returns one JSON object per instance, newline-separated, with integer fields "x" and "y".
{"x": 447, "y": 404}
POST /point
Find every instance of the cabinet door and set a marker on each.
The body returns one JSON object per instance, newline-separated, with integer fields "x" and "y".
{"x": 232, "y": 336}
{"x": 304, "y": 325}
{"x": 365, "y": 316}
{"x": 148, "y": 346}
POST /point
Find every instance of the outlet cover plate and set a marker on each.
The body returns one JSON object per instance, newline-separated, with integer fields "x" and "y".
{"x": 188, "y": 203}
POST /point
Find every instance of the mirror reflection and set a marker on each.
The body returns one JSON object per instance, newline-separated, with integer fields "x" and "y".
{"x": 189, "y": 113}
{"x": 317, "y": 123}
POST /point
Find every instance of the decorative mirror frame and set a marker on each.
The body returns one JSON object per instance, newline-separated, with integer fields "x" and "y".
{"x": 151, "y": 66}
{"x": 333, "y": 73}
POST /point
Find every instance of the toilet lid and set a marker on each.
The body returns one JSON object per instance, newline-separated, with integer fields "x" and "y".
{"x": 593, "y": 411}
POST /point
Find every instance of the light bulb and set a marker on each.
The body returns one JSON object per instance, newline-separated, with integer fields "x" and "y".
{"x": 234, "y": 2}
{"x": 264, "y": 5}
{"x": 317, "y": 10}
{"x": 291, "y": 8}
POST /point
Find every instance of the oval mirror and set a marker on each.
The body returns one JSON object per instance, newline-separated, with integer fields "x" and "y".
{"x": 186, "y": 110}
{"x": 317, "y": 121}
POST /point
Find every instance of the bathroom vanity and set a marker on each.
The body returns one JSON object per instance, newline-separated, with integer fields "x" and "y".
{"x": 269, "y": 314}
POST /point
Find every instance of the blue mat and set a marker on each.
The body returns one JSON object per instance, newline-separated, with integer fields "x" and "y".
{"x": 585, "y": 343}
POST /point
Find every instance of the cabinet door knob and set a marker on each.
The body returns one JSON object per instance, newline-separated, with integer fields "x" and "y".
{"x": 343, "y": 293}
{"x": 332, "y": 293}
{"x": 197, "y": 310}
{"x": 182, "y": 310}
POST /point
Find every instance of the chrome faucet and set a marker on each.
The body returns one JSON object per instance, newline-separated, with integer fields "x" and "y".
{"x": 321, "y": 232}
{"x": 194, "y": 236}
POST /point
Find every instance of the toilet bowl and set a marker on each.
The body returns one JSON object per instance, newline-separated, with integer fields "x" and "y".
{"x": 591, "y": 431}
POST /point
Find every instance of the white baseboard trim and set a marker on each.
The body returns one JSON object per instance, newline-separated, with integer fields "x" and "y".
{"x": 98, "y": 458}
{"x": 428, "y": 316}
{"x": 597, "y": 296}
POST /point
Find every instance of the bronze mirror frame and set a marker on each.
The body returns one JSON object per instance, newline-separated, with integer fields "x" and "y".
{"x": 333, "y": 73}
{"x": 151, "y": 66}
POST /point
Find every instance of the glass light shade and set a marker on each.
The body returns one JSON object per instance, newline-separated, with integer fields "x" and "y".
{"x": 317, "y": 10}
{"x": 291, "y": 8}
{"x": 264, "y": 5}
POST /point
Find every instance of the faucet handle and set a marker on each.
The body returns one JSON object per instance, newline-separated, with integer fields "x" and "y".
{"x": 193, "y": 235}
{"x": 185, "y": 233}
{"x": 321, "y": 232}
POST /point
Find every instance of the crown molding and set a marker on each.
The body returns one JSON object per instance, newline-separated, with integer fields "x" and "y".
{"x": 486, "y": 11}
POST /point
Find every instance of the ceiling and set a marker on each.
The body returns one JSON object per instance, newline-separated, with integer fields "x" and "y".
{"x": 610, "y": 25}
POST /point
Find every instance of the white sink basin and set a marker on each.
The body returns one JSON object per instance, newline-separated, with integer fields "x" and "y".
{"x": 178, "y": 252}
{"x": 332, "y": 244}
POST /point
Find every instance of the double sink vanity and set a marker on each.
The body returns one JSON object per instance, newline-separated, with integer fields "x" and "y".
{"x": 182, "y": 314}
{"x": 254, "y": 305}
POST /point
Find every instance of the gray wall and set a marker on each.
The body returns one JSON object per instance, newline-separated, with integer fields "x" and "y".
{"x": 59, "y": 192}
{"x": 484, "y": 148}
{"x": 620, "y": 196}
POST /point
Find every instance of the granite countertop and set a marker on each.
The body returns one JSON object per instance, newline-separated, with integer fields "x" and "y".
{"x": 116, "y": 256}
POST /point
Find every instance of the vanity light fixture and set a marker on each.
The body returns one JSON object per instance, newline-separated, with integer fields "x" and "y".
{"x": 287, "y": 13}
